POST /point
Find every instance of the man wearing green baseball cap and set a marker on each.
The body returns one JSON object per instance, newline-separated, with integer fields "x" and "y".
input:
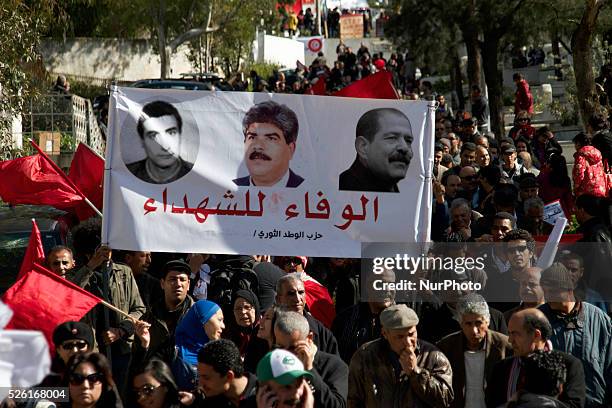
{"x": 282, "y": 381}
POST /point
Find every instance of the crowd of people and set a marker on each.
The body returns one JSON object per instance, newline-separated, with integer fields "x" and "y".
{"x": 304, "y": 22}
{"x": 206, "y": 330}
{"x": 238, "y": 331}
{"x": 348, "y": 67}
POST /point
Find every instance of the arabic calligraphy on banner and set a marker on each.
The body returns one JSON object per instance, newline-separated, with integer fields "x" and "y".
{"x": 243, "y": 173}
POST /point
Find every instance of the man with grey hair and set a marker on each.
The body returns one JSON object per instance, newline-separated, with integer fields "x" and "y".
{"x": 473, "y": 351}
{"x": 329, "y": 372}
{"x": 533, "y": 218}
{"x": 291, "y": 297}
{"x": 399, "y": 369}
{"x": 461, "y": 217}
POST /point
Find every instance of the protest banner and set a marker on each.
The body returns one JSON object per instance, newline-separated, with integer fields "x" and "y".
{"x": 351, "y": 26}
{"x": 247, "y": 173}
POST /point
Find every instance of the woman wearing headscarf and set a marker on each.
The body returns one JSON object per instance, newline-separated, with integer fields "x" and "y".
{"x": 243, "y": 322}
{"x": 201, "y": 324}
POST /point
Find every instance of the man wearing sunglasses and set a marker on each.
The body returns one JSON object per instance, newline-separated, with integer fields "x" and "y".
{"x": 69, "y": 338}
{"x": 505, "y": 287}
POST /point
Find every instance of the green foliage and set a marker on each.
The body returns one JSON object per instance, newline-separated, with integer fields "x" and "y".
{"x": 68, "y": 143}
{"x": 564, "y": 112}
{"x": 230, "y": 26}
{"x": 20, "y": 27}
{"x": 508, "y": 96}
{"x": 568, "y": 112}
{"x": 572, "y": 225}
{"x": 442, "y": 86}
{"x": 264, "y": 70}
{"x": 85, "y": 89}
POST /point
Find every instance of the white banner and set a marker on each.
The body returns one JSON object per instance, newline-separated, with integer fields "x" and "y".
{"x": 255, "y": 173}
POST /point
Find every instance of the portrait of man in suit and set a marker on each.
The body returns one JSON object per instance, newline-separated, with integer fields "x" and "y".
{"x": 160, "y": 129}
{"x": 384, "y": 150}
{"x": 270, "y": 135}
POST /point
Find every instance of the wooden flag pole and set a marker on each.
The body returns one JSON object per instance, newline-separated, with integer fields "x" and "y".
{"x": 121, "y": 312}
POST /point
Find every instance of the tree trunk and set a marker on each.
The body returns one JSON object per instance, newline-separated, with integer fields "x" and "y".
{"x": 470, "y": 36}
{"x": 583, "y": 64}
{"x": 556, "y": 51}
{"x": 164, "y": 50}
{"x": 494, "y": 80}
{"x": 456, "y": 80}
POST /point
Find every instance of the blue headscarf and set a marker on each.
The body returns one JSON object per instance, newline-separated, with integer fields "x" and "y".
{"x": 190, "y": 334}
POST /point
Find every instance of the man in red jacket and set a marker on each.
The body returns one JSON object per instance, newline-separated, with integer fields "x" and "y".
{"x": 523, "y": 99}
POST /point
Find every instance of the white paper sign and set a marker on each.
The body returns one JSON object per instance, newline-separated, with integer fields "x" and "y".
{"x": 552, "y": 211}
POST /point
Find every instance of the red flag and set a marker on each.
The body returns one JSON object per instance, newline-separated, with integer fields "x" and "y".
{"x": 319, "y": 303}
{"x": 33, "y": 180}
{"x": 34, "y": 253}
{"x": 318, "y": 88}
{"x": 41, "y": 300}
{"x": 377, "y": 86}
{"x": 87, "y": 173}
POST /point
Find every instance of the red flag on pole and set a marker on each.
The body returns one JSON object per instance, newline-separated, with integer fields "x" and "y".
{"x": 87, "y": 173}
{"x": 34, "y": 253}
{"x": 318, "y": 88}
{"x": 377, "y": 86}
{"x": 41, "y": 300}
{"x": 32, "y": 180}
{"x": 67, "y": 180}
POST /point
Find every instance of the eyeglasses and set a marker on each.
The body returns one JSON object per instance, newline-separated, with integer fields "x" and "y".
{"x": 519, "y": 248}
{"x": 70, "y": 345}
{"x": 146, "y": 390}
{"x": 524, "y": 120}
{"x": 78, "y": 379}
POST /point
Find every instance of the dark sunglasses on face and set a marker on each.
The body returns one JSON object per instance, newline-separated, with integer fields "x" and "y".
{"x": 78, "y": 379}
{"x": 70, "y": 345}
{"x": 146, "y": 390}
{"x": 524, "y": 120}
{"x": 295, "y": 261}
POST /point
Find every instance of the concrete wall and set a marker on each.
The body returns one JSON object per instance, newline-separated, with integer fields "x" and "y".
{"x": 278, "y": 50}
{"x": 127, "y": 60}
{"x": 131, "y": 60}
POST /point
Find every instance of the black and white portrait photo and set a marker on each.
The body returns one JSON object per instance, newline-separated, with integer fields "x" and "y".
{"x": 160, "y": 134}
{"x": 383, "y": 143}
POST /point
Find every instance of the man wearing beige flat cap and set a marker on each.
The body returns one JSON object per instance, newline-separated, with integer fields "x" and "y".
{"x": 399, "y": 369}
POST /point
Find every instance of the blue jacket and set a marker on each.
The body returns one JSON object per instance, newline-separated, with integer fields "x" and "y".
{"x": 588, "y": 337}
